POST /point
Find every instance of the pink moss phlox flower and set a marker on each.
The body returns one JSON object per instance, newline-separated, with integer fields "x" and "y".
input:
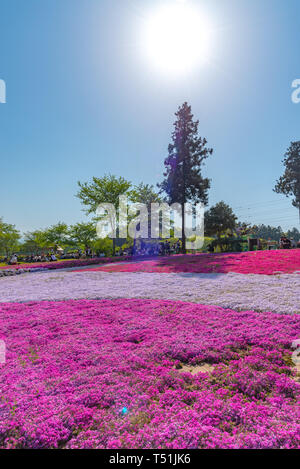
{"x": 73, "y": 366}
{"x": 255, "y": 262}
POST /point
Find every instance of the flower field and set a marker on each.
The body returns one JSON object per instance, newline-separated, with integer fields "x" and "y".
{"x": 277, "y": 293}
{"x": 255, "y": 262}
{"x": 153, "y": 354}
{"x": 109, "y": 374}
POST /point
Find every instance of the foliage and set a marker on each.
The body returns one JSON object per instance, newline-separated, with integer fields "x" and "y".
{"x": 34, "y": 241}
{"x": 245, "y": 229}
{"x": 289, "y": 183}
{"x": 103, "y": 246}
{"x": 104, "y": 190}
{"x": 56, "y": 235}
{"x": 294, "y": 233}
{"x": 144, "y": 194}
{"x": 186, "y": 154}
{"x": 9, "y": 238}
{"x": 273, "y": 233}
{"x": 219, "y": 219}
{"x": 82, "y": 234}
{"x": 228, "y": 244}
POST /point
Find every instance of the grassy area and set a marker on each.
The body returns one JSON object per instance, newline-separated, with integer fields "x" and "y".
{"x": 4, "y": 264}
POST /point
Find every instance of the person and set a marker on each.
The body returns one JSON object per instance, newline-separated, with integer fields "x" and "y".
{"x": 167, "y": 248}
{"x": 161, "y": 249}
{"x": 293, "y": 243}
{"x": 13, "y": 260}
{"x": 210, "y": 248}
{"x": 285, "y": 243}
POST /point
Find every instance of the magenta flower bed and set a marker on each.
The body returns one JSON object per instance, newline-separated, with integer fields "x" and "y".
{"x": 256, "y": 262}
{"x": 102, "y": 374}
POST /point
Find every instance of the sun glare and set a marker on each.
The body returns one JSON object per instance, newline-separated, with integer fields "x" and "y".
{"x": 177, "y": 38}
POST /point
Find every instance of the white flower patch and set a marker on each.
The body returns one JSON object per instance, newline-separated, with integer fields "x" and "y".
{"x": 278, "y": 293}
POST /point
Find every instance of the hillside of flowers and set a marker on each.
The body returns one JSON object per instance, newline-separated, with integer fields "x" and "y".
{"x": 174, "y": 352}
{"x": 255, "y": 262}
{"x": 277, "y": 293}
{"x": 112, "y": 374}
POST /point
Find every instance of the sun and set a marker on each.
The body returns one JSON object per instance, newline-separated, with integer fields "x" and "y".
{"x": 177, "y": 38}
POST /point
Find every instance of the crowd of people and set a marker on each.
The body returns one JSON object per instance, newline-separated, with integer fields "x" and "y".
{"x": 139, "y": 248}
{"x": 14, "y": 259}
{"x": 79, "y": 254}
{"x": 142, "y": 248}
{"x": 286, "y": 243}
{"x": 48, "y": 257}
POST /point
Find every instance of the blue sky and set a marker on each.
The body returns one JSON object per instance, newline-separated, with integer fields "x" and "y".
{"x": 82, "y": 100}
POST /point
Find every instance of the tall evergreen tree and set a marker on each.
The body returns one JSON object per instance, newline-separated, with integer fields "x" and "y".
{"x": 186, "y": 154}
{"x": 289, "y": 183}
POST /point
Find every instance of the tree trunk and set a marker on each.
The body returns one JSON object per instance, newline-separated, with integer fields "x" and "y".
{"x": 114, "y": 246}
{"x": 184, "y": 155}
{"x": 183, "y": 249}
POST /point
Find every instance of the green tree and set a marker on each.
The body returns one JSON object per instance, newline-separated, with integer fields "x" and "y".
{"x": 245, "y": 229}
{"x": 289, "y": 183}
{"x": 82, "y": 234}
{"x": 102, "y": 190}
{"x": 268, "y": 232}
{"x": 9, "y": 238}
{"x": 34, "y": 241}
{"x": 56, "y": 235}
{"x": 145, "y": 194}
{"x": 294, "y": 233}
{"x": 219, "y": 219}
{"x": 186, "y": 154}
{"x": 104, "y": 246}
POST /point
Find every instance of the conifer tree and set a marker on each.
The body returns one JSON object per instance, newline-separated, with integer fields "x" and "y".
{"x": 186, "y": 154}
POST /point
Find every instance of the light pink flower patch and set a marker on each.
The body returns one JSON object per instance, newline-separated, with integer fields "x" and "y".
{"x": 107, "y": 374}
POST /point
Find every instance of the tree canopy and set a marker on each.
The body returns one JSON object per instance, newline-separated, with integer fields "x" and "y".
{"x": 104, "y": 190}
{"x": 82, "y": 234}
{"x": 219, "y": 219}
{"x": 289, "y": 183}
{"x": 9, "y": 238}
{"x": 183, "y": 181}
